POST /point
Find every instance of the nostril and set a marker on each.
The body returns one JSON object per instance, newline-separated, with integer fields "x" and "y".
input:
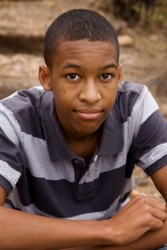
{"x": 90, "y": 94}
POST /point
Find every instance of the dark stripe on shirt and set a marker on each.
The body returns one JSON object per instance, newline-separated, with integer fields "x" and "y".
{"x": 5, "y": 184}
{"x": 64, "y": 194}
{"x": 126, "y": 102}
{"x": 157, "y": 165}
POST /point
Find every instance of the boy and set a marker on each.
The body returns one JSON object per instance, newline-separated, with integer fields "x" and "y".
{"x": 67, "y": 151}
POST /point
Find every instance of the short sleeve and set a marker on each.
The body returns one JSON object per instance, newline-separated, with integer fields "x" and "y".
{"x": 11, "y": 158}
{"x": 149, "y": 146}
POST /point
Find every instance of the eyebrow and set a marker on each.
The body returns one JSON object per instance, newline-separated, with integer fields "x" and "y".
{"x": 73, "y": 65}
{"x": 111, "y": 65}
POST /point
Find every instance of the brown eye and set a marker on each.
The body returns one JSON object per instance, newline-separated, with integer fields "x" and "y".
{"x": 73, "y": 76}
{"x": 105, "y": 76}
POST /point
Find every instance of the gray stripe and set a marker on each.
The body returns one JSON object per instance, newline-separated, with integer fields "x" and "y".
{"x": 9, "y": 173}
{"x": 9, "y": 125}
{"x": 152, "y": 156}
{"x": 36, "y": 149}
{"x": 144, "y": 107}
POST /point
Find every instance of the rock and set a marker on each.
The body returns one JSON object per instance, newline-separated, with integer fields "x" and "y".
{"x": 18, "y": 71}
{"x": 126, "y": 41}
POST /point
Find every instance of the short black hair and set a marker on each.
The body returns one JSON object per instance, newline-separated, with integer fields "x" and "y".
{"x": 78, "y": 24}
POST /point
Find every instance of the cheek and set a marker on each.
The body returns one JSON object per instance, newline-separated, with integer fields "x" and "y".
{"x": 62, "y": 100}
{"x": 110, "y": 92}
{"x": 110, "y": 97}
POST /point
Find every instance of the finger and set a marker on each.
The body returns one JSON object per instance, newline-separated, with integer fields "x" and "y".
{"x": 143, "y": 200}
{"x": 157, "y": 204}
{"x": 158, "y": 224}
{"x": 158, "y": 214}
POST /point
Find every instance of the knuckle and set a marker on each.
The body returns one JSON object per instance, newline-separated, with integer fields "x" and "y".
{"x": 159, "y": 223}
{"x": 145, "y": 207}
{"x": 150, "y": 219}
{"x": 156, "y": 223}
{"x": 164, "y": 207}
{"x": 164, "y": 216}
{"x": 140, "y": 198}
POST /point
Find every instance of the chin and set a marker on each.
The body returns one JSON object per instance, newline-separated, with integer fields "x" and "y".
{"x": 87, "y": 131}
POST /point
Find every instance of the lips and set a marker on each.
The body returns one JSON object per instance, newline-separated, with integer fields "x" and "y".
{"x": 88, "y": 114}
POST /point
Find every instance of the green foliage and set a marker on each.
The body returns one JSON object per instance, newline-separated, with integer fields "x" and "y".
{"x": 139, "y": 12}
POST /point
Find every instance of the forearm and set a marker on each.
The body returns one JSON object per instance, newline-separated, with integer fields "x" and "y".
{"x": 20, "y": 230}
{"x": 27, "y": 231}
{"x": 150, "y": 241}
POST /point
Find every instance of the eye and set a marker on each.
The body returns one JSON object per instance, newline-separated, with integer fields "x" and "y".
{"x": 73, "y": 76}
{"x": 106, "y": 76}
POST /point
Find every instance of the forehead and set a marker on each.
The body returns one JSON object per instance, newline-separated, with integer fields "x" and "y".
{"x": 85, "y": 52}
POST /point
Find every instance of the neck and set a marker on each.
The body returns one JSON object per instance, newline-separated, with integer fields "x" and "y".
{"x": 84, "y": 146}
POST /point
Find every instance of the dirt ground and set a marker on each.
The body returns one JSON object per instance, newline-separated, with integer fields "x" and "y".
{"x": 22, "y": 28}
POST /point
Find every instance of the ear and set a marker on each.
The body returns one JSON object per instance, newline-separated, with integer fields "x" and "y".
{"x": 119, "y": 74}
{"x": 44, "y": 77}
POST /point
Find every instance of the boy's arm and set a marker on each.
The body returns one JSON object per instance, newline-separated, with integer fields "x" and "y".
{"x": 20, "y": 230}
{"x": 160, "y": 180}
{"x": 27, "y": 231}
{"x": 157, "y": 238}
{"x": 149, "y": 241}
{"x": 152, "y": 239}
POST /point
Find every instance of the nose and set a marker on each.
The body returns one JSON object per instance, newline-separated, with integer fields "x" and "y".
{"x": 90, "y": 92}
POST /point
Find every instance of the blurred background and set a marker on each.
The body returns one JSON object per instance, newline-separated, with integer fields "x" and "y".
{"x": 142, "y": 30}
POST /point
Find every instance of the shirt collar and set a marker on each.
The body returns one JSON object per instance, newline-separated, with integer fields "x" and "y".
{"x": 112, "y": 132}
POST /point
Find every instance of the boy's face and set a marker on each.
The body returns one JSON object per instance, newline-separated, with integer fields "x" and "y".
{"x": 84, "y": 79}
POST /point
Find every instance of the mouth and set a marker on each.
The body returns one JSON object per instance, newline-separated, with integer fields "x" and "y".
{"x": 89, "y": 113}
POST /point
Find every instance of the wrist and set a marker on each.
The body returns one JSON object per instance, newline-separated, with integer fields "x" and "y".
{"x": 107, "y": 234}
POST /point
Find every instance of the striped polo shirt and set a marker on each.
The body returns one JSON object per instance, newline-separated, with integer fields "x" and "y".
{"x": 41, "y": 175}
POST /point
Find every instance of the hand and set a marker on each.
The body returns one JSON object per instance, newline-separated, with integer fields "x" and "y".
{"x": 140, "y": 215}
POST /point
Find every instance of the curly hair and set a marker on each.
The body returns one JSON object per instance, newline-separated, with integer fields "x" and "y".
{"x": 78, "y": 24}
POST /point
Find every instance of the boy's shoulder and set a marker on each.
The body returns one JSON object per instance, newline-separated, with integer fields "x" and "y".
{"x": 23, "y": 99}
{"x": 127, "y": 86}
{"x": 129, "y": 92}
{"x": 22, "y": 111}
{"x": 134, "y": 99}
